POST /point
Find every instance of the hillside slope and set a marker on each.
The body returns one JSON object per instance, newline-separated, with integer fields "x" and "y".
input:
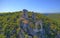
{"x": 55, "y": 17}
{"x": 9, "y": 21}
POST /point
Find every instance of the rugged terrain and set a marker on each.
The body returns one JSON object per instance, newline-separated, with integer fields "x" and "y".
{"x": 11, "y": 20}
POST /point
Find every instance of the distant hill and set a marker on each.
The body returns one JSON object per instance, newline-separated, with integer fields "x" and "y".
{"x": 54, "y": 16}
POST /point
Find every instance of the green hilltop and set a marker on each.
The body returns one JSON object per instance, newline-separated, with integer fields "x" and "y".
{"x": 11, "y": 20}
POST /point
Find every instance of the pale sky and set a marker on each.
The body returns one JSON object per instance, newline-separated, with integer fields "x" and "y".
{"x": 42, "y": 6}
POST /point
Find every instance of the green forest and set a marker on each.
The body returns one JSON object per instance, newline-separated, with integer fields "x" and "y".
{"x": 11, "y": 20}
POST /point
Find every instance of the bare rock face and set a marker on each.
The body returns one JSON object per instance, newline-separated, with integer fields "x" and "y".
{"x": 25, "y": 15}
{"x": 26, "y": 24}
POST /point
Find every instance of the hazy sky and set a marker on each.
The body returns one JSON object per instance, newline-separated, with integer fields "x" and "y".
{"x": 43, "y": 6}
